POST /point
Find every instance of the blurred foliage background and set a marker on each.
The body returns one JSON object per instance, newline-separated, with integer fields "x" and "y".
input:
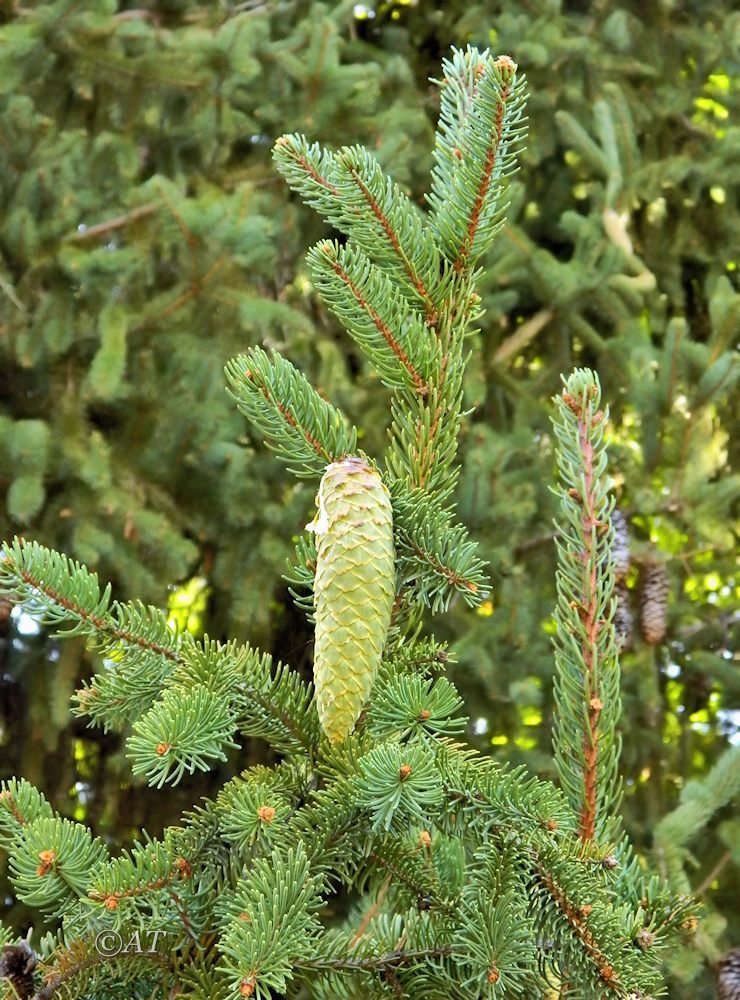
{"x": 145, "y": 239}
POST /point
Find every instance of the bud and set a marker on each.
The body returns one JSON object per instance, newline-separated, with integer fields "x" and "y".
{"x": 644, "y": 939}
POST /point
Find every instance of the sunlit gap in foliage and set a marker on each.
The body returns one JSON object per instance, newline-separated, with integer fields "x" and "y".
{"x": 186, "y": 606}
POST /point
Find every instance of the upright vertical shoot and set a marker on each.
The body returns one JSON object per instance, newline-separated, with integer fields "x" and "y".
{"x": 403, "y": 285}
{"x": 587, "y": 702}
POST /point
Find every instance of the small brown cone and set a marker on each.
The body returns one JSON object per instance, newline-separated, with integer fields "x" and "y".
{"x": 624, "y": 625}
{"x": 653, "y": 602}
{"x": 728, "y": 976}
{"x": 621, "y": 549}
{"x": 17, "y": 964}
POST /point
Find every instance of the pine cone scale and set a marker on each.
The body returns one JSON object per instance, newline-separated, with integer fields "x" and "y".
{"x": 653, "y": 602}
{"x": 354, "y": 589}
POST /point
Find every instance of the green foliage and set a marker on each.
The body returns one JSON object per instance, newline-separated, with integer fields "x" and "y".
{"x": 525, "y": 899}
{"x": 496, "y": 923}
{"x": 374, "y": 312}
{"x": 21, "y": 804}
{"x": 349, "y": 189}
{"x": 480, "y": 131}
{"x": 142, "y": 217}
{"x": 398, "y": 785}
{"x": 700, "y": 800}
{"x": 305, "y": 431}
{"x": 186, "y": 730}
{"x": 69, "y": 856}
{"x": 269, "y": 921}
{"x": 587, "y": 677}
{"x": 143, "y": 227}
{"x": 406, "y": 705}
{"x": 436, "y": 558}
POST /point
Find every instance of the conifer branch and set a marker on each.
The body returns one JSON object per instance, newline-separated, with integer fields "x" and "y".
{"x": 457, "y": 580}
{"x": 425, "y": 455}
{"x": 307, "y": 168}
{"x": 20, "y": 804}
{"x": 390, "y": 960}
{"x": 325, "y": 825}
{"x": 7, "y": 800}
{"x": 435, "y": 555}
{"x": 507, "y": 69}
{"x": 402, "y": 872}
{"x": 374, "y": 313}
{"x": 117, "y": 222}
{"x": 510, "y": 877}
{"x": 271, "y": 708}
{"x": 522, "y": 336}
{"x": 182, "y": 732}
{"x": 350, "y": 190}
{"x": 698, "y": 802}
{"x": 424, "y": 433}
{"x": 587, "y": 679}
{"x": 385, "y": 204}
{"x": 481, "y": 126}
{"x": 268, "y": 699}
{"x": 56, "y": 588}
{"x": 305, "y": 431}
{"x": 270, "y": 921}
{"x": 145, "y": 654}
{"x": 141, "y": 874}
{"x": 578, "y": 921}
{"x": 140, "y": 648}
{"x": 79, "y": 959}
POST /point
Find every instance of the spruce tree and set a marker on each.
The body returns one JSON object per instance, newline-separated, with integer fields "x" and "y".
{"x": 145, "y": 240}
{"x": 134, "y": 161}
{"x": 380, "y": 856}
{"x": 627, "y": 175}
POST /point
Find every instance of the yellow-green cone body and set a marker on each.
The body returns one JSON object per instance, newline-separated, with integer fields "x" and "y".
{"x": 354, "y": 589}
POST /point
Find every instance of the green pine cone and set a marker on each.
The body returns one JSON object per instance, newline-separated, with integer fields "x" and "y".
{"x": 354, "y": 589}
